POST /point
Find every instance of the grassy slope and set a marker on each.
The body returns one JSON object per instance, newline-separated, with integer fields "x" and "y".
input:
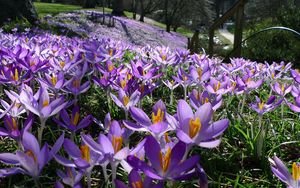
{"x": 53, "y": 8}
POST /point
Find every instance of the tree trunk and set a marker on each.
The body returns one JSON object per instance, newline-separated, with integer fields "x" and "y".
{"x": 168, "y": 25}
{"x": 118, "y": 8}
{"x": 142, "y": 11}
{"x": 89, "y": 4}
{"x": 12, "y": 9}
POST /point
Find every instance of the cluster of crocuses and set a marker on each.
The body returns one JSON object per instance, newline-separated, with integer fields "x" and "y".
{"x": 44, "y": 76}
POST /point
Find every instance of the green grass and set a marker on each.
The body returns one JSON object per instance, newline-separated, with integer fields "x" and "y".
{"x": 53, "y": 8}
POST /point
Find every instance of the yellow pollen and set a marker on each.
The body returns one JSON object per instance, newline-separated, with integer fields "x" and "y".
{"x": 252, "y": 71}
{"x": 129, "y": 76}
{"x": 282, "y": 88}
{"x": 45, "y": 103}
{"x": 248, "y": 80}
{"x": 199, "y": 71}
{"x": 16, "y": 75}
{"x": 296, "y": 171}
{"x": 137, "y": 184}
{"x": 69, "y": 172}
{"x": 184, "y": 78}
{"x": 71, "y": 56}
{"x": 158, "y": 117}
{"x": 32, "y": 63}
{"x": 76, "y": 83}
{"x": 172, "y": 82}
{"x": 167, "y": 138}
{"x": 110, "y": 52}
{"x": 233, "y": 84}
{"x": 26, "y": 39}
{"x": 261, "y": 105}
{"x": 164, "y": 57}
{"x": 31, "y": 154}
{"x": 85, "y": 152}
{"x": 62, "y": 64}
{"x": 273, "y": 75}
{"x": 125, "y": 100}
{"x": 142, "y": 89}
{"x": 12, "y": 125}
{"x": 217, "y": 86}
{"x": 165, "y": 159}
{"x": 110, "y": 68}
{"x": 75, "y": 119}
{"x": 123, "y": 84}
{"x": 195, "y": 126}
{"x": 53, "y": 79}
{"x": 117, "y": 143}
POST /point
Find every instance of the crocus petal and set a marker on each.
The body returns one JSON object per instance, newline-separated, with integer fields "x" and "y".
{"x": 177, "y": 154}
{"x": 214, "y": 130}
{"x": 210, "y": 144}
{"x": 120, "y": 184}
{"x": 9, "y": 158}
{"x": 140, "y": 116}
{"x": 185, "y": 165}
{"x": 134, "y": 127}
{"x": 133, "y": 177}
{"x": 81, "y": 163}
{"x": 105, "y": 143}
{"x": 72, "y": 149}
{"x": 57, "y": 145}
{"x": 27, "y": 163}
{"x": 63, "y": 161}
{"x": 204, "y": 113}
{"x": 184, "y": 137}
{"x": 11, "y": 171}
{"x": 184, "y": 111}
{"x": 122, "y": 154}
{"x": 30, "y": 143}
{"x": 117, "y": 101}
{"x": 138, "y": 164}
{"x": 88, "y": 140}
{"x": 152, "y": 150}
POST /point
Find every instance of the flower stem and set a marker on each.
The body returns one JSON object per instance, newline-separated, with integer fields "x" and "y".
{"x": 282, "y": 110}
{"x": 171, "y": 97}
{"x": 243, "y": 103}
{"x": 114, "y": 173}
{"x": 185, "y": 92}
{"x": 89, "y": 180}
{"x": 105, "y": 173}
{"x": 40, "y": 130}
{"x": 36, "y": 182}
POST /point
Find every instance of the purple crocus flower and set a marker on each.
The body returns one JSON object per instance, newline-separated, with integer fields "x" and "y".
{"x": 41, "y": 104}
{"x": 15, "y": 109}
{"x": 13, "y": 74}
{"x": 261, "y": 108}
{"x": 197, "y": 99}
{"x": 54, "y": 80}
{"x": 124, "y": 100}
{"x": 282, "y": 89}
{"x": 72, "y": 177}
{"x": 111, "y": 145}
{"x": 83, "y": 157}
{"x": 157, "y": 126}
{"x": 295, "y": 107}
{"x": 282, "y": 172}
{"x": 75, "y": 87}
{"x": 12, "y": 128}
{"x": 32, "y": 159}
{"x": 72, "y": 123}
{"x": 165, "y": 165}
{"x": 135, "y": 181}
{"x": 197, "y": 128}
